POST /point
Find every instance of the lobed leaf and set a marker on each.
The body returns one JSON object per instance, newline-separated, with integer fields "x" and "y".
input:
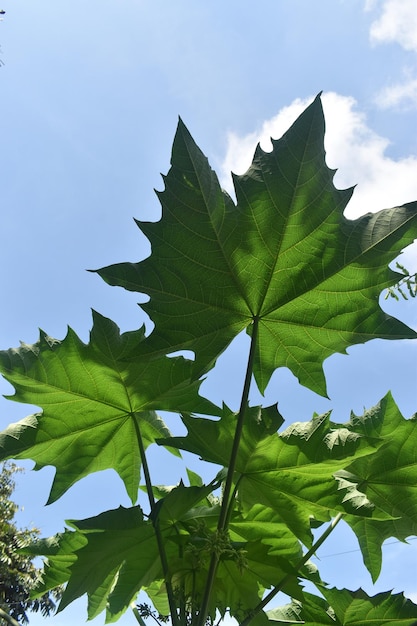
{"x": 120, "y": 557}
{"x": 357, "y": 608}
{"x": 345, "y": 607}
{"x": 284, "y": 255}
{"x": 292, "y": 473}
{"x": 212, "y": 440}
{"x": 94, "y": 402}
{"x": 388, "y": 479}
{"x": 372, "y": 533}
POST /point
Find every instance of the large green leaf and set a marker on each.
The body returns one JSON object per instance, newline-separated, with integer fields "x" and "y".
{"x": 213, "y": 440}
{"x": 245, "y": 570}
{"x": 291, "y": 473}
{"x": 372, "y": 533}
{"x": 388, "y": 479}
{"x": 284, "y": 256}
{"x": 347, "y": 608}
{"x": 120, "y": 556}
{"x": 94, "y": 403}
{"x": 357, "y": 608}
{"x": 112, "y": 556}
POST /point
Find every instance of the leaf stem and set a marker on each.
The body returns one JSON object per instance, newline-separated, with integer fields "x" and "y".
{"x": 222, "y": 524}
{"x": 158, "y": 534}
{"x": 224, "y": 515}
{"x": 288, "y": 577}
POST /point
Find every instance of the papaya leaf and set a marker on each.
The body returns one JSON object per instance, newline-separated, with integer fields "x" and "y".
{"x": 372, "y": 533}
{"x": 119, "y": 556}
{"x": 94, "y": 402}
{"x": 156, "y": 591}
{"x": 284, "y": 255}
{"x": 213, "y": 440}
{"x": 313, "y": 611}
{"x": 60, "y": 551}
{"x": 291, "y": 473}
{"x": 345, "y": 607}
{"x": 112, "y": 556}
{"x": 388, "y": 479}
{"x": 179, "y": 501}
{"x": 263, "y": 524}
{"x": 245, "y": 571}
{"x": 357, "y": 608}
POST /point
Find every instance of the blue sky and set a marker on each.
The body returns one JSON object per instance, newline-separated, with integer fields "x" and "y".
{"x": 90, "y": 96}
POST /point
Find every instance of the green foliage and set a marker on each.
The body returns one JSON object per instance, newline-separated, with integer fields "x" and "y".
{"x": 408, "y": 281}
{"x": 18, "y": 574}
{"x": 343, "y": 607}
{"x": 92, "y": 400}
{"x": 284, "y": 265}
{"x": 284, "y": 256}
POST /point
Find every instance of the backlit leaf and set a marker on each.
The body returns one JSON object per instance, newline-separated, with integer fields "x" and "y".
{"x": 388, "y": 479}
{"x": 347, "y": 608}
{"x": 284, "y": 256}
{"x": 94, "y": 402}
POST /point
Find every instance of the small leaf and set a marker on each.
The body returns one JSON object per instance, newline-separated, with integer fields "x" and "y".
{"x": 261, "y": 523}
{"x": 313, "y": 611}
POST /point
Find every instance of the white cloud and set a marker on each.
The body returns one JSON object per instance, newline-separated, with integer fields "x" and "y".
{"x": 352, "y": 146}
{"x": 397, "y": 95}
{"x": 397, "y": 23}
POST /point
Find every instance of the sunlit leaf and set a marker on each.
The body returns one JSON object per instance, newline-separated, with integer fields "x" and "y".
{"x": 388, "y": 479}
{"x": 284, "y": 256}
{"x": 291, "y": 473}
{"x": 94, "y": 402}
{"x": 119, "y": 548}
{"x": 344, "y": 607}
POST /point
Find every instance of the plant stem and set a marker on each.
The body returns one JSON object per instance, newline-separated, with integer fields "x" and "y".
{"x": 158, "y": 534}
{"x": 288, "y": 577}
{"x": 222, "y": 524}
{"x": 224, "y": 510}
